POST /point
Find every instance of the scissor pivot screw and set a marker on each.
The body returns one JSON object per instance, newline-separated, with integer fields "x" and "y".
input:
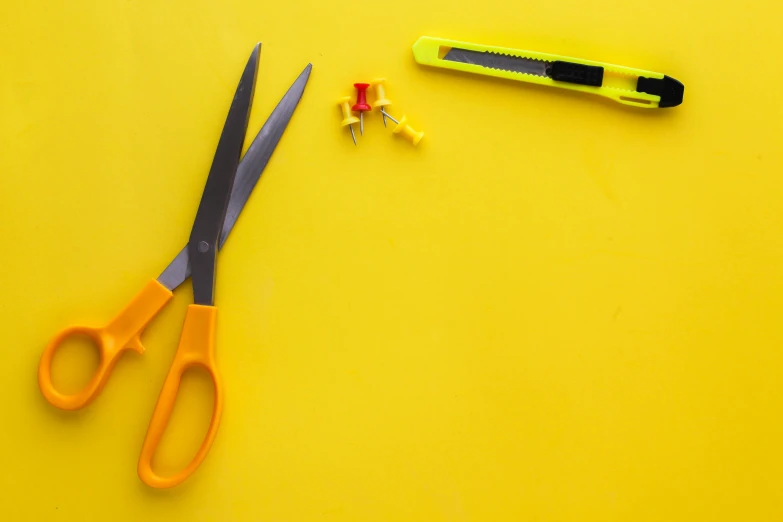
{"x": 203, "y": 246}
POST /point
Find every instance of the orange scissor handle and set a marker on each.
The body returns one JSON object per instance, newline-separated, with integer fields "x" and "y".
{"x": 196, "y": 348}
{"x": 121, "y": 334}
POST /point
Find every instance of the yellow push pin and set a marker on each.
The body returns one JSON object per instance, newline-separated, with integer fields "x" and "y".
{"x": 348, "y": 118}
{"x": 380, "y": 97}
{"x": 404, "y": 129}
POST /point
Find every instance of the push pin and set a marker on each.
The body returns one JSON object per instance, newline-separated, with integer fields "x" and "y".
{"x": 380, "y": 97}
{"x": 348, "y": 118}
{"x": 404, "y": 129}
{"x": 361, "y": 104}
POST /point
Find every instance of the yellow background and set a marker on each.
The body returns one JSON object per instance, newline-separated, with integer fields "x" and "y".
{"x": 556, "y": 308}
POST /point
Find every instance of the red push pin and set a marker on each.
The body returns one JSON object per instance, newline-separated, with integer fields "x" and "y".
{"x": 361, "y": 104}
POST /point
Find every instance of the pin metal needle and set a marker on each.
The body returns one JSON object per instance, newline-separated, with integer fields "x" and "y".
{"x": 387, "y": 115}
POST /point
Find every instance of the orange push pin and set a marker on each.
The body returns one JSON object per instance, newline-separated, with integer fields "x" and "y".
{"x": 348, "y": 118}
{"x": 361, "y": 105}
{"x": 380, "y": 96}
{"x": 404, "y": 129}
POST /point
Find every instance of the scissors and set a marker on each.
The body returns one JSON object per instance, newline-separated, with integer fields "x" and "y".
{"x": 227, "y": 189}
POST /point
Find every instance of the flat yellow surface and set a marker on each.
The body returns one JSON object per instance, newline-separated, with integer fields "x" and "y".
{"x": 556, "y": 308}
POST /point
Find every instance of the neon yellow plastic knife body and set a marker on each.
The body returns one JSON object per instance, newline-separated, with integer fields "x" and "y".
{"x": 635, "y": 87}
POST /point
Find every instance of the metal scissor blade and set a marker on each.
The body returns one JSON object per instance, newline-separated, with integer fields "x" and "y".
{"x": 257, "y": 156}
{"x": 203, "y": 244}
{"x": 503, "y": 62}
{"x": 250, "y": 169}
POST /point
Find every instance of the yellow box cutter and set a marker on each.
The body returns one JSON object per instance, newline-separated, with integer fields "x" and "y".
{"x": 635, "y": 87}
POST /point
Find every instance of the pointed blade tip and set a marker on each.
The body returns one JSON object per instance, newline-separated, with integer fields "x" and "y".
{"x": 254, "y": 55}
